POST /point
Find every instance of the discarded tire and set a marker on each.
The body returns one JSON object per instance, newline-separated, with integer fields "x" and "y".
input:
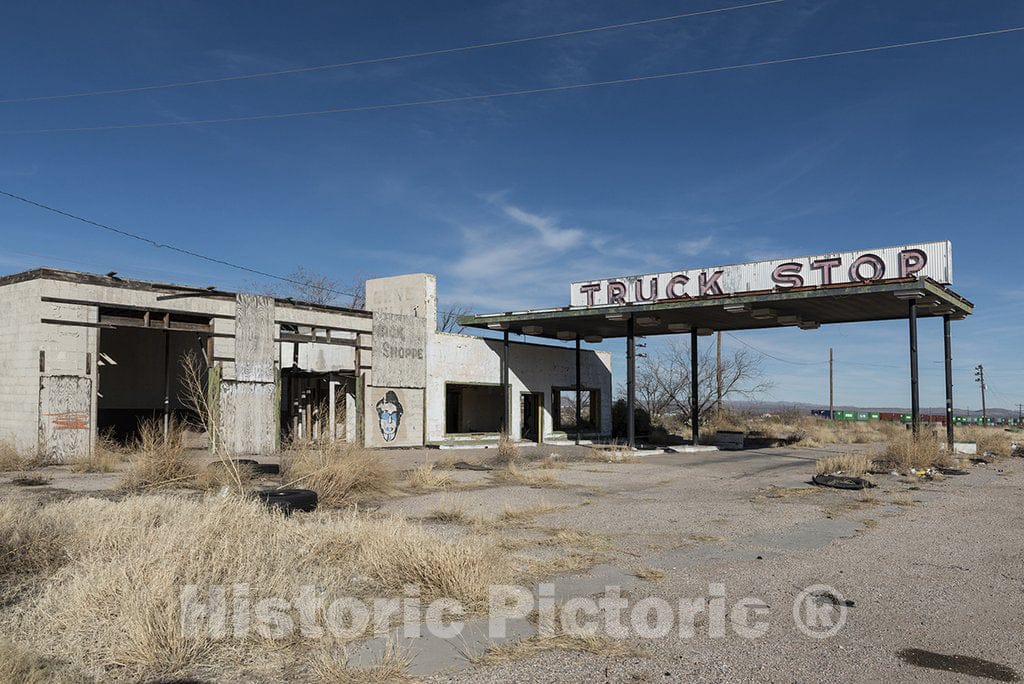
{"x": 463, "y": 465}
{"x": 255, "y": 466}
{"x": 953, "y": 471}
{"x": 842, "y": 482}
{"x": 289, "y": 500}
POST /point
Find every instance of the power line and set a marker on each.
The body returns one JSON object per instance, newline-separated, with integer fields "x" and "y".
{"x": 173, "y": 248}
{"x": 516, "y": 93}
{"x": 764, "y": 353}
{"x": 391, "y": 58}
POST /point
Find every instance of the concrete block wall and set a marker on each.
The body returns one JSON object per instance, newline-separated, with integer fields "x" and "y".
{"x": 532, "y": 368}
{"x": 20, "y": 331}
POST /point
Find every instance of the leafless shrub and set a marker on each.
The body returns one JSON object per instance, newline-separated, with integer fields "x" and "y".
{"x": 905, "y": 452}
{"x": 989, "y": 439}
{"x": 847, "y": 464}
{"x": 508, "y": 451}
{"x": 426, "y": 478}
{"x": 335, "y": 666}
{"x": 156, "y": 461}
{"x": 340, "y": 473}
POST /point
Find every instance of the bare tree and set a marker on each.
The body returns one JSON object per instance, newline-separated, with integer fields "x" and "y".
{"x": 448, "y": 319}
{"x": 317, "y": 288}
{"x": 194, "y": 394}
{"x": 663, "y": 381}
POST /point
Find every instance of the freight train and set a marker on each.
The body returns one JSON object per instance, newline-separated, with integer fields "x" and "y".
{"x": 907, "y": 418}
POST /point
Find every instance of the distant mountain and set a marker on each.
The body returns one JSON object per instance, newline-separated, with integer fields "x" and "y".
{"x": 803, "y": 407}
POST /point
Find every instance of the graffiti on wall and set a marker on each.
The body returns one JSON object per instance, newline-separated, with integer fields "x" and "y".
{"x": 389, "y": 416}
{"x": 65, "y": 407}
{"x": 393, "y": 417}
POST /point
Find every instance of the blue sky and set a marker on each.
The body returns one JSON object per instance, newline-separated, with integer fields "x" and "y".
{"x": 509, "y": 200}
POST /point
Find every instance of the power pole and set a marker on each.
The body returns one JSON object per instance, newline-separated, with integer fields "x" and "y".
{"x": 831, "y": 387}
{"x": 979, "y": 376}
{"x": 1020, "y": 413}
{"x": 718, "y": 373}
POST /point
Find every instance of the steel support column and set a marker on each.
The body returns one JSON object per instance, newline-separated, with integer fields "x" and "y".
{"x": 167, "y": 385}
{"x": 948, "y": 344}
{"x": 630, "y": 382}
{"x": 915, "y": 399}
{"x": 694, "y": 389}
{"x": 579, "y": 394}
{"x": 506, "y": 424}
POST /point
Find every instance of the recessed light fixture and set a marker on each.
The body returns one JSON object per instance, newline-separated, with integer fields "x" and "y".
{"x": 736, "y": 308}
{"x": 762, "y": 314}
{"x": 616, "y": 316}
{"x": 648, "y": 321}
{"x": 809, "y": 325}
{"x": 498, "y": 326}
{"x": 679, "y": 327}
{"x": 788, "y": 320}
{"x": 908, "y": 294}
{"x": 593, "y": 339}
{"x": 532, "y": 330}
{"x": 704, "y": 332}
{"x": 566, "y": 335}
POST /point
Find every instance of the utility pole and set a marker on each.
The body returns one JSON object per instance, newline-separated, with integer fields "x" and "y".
{"x": 718, "y": 374}
{"x": 1020, "y": 413}
{"x": 831, "y": 387}
{"x": 979, "y": 377}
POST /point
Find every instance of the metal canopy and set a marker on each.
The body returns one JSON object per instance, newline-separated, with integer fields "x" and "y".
{"x": 792, "y": 307}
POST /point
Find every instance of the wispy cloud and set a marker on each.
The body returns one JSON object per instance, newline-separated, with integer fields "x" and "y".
{"x": 696, "y": 246}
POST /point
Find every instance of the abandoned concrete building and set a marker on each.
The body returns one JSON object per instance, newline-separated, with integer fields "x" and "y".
{"x": 83, "y": 355}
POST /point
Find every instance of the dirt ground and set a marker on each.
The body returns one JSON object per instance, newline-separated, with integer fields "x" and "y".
{"x": 931, "y": 565}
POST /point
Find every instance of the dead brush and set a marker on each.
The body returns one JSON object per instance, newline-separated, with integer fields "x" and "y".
{"x": 116, "y": 606}
{"x": 12, "y": 459}
{"x": 846, "y": 464}
{"x": 340, "y": 473}
{"x": 156, "y": 460}
{"x": 426, "y": 478}
{"x": 334, "y": 666}
{"x": 18, "y": 665}
{"x": 105, "y": 457}
{"x": 508, "y": 451}
{"x": 989, "y": 439}
{"x": 513, "y": 475}
{"x": 906, "y": 452}
{"x": 225, "y": 473}
{"x": 598, "y": 645}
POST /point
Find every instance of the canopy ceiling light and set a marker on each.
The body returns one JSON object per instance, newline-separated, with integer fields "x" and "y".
{"x": 679, "y": 327}
{"x": 566, "y": 335}
{"x": 908, "y": 294}
{"x": 788, "y": 320}
{"x": 704, "y": 332}
{"x": 593, "y": 339}
{"x": 736, "y": 308}
{"x": 762, "y": 314}
{"x": 809, "y": 325}
{"x": 498, "y": 326}
{"x": 648, "y": 321}
{"x": 616, "y": 316}
{"x": 532, "y": 330}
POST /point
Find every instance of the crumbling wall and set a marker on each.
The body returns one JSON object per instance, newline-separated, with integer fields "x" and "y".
{"x": 248, "y": 400}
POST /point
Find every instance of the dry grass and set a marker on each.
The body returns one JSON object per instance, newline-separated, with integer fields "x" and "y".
{"x": 12, "y": 459}
{"x": 847, "y": 464}
{"x": 513, "y": 475}
{"x": 339, "y": 473}
{"x": 426, "y": 478}
{"x": 18, "y": 665}
{"x": 808, "y": 431}
{"x": 225, "y": 473}
{"x": 115, "y": 602}
{"x": 528, "y": 648}
{"x": 989, "y": 439}
{"x": 447, "y": 516}
{"x": 576, "y": 538}
{"x": 334, "y": 667}
{"x": 905, "y": 452}
{"x": 30, "y": 481}
{"x": 616, "y": 455}
{"x": 508, "y": 452}
{"x": 526, "y": 514}
{"x": 156, "y": 462}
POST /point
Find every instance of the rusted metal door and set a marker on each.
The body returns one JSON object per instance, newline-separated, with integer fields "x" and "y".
{"x": 65, "y": 416}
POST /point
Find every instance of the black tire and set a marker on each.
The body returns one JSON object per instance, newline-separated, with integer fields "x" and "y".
{"x": 842, "y": 482}
{"x": 255, "y": 466}
{"x": 289, "y": 500}
{"x": 953, "y": 471}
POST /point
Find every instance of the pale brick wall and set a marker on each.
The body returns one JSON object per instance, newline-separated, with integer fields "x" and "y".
{"x": 19, "y": 364}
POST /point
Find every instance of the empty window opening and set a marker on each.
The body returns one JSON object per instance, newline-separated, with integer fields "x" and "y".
{"x": 564, "y": 409}
{"x": 141, "y": 367}
{"x": 473, "y": 409}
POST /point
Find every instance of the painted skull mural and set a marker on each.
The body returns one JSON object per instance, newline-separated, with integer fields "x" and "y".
{"x": 389, "y": 415}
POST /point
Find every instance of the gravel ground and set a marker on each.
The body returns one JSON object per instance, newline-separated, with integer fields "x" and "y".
{"x": 943, "y": 572}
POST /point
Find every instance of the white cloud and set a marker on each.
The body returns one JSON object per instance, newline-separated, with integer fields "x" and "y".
{"x": 696, "y": 246}
{"x": 552, "y": 235}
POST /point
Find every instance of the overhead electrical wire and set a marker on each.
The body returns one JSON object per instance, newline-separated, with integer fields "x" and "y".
{"x": 173, "y": 248}
{"x": 515, "y": 93}
{"x": 391, "y": 58}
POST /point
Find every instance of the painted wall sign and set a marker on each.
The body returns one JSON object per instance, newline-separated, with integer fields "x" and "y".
{"x": 399, "y": 350}
{"x": 394, "y": 417}
{"x": 933, "y": 259}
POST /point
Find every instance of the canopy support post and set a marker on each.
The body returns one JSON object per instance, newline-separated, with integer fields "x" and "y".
{"x": 948, "y": 344}
{"x": 915, "y": 399}
{"x": 579, "y": 394}
{"x": 630, "y": 382}
{"x": 505, "y": 422}
{"x": 694, "y": 388}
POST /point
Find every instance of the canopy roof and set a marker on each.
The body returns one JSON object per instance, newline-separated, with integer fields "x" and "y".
{"x": 805, "y": 307}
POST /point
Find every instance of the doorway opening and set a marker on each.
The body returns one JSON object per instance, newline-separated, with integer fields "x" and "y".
{"x": 473, "y": 409}
{"x": 531, "y": 424}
